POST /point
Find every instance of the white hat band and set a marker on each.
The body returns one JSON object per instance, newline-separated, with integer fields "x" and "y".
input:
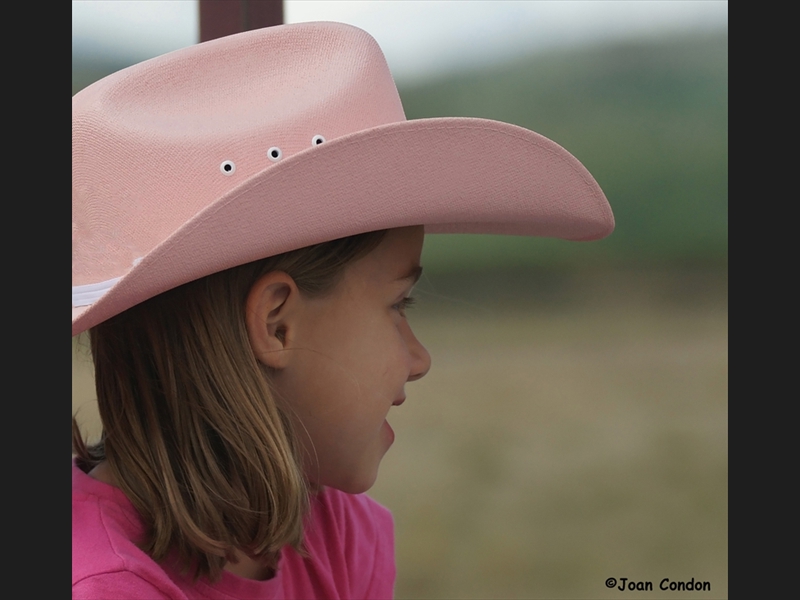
{"x": 84, "y": 295}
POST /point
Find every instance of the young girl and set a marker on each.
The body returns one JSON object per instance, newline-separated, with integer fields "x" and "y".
{"x": 248, "y": 221}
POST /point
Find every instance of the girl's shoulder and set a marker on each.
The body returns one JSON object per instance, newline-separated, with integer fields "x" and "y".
{"x": 106, "y": 563}
{"x": 349, "y": 541}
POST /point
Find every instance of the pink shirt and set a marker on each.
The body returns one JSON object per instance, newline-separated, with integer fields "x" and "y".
{"x": 350, "y": 540}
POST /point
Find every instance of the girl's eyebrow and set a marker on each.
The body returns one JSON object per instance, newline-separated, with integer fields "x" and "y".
{"x": 413, "y": 274}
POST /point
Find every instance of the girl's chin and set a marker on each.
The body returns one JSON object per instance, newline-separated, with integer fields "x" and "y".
{"x": 356, "y": 482}
{"x": 388, "y": 431}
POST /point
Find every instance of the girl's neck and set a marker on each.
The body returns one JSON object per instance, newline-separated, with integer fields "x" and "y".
{"x": 102, "y": 472}
{"x": 249, "y": 568}
{"x": 246, "y": 567}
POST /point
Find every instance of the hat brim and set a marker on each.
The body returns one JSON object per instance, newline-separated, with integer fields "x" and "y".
{"x": 452, "y": 175}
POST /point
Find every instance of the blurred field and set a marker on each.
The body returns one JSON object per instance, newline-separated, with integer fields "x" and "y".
{"x": 558, "y": 443}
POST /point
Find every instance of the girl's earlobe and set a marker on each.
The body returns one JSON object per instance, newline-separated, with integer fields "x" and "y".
{"x": 269, "y": 318}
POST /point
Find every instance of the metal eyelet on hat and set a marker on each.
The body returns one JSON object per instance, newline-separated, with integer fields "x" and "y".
{"x": 317, "y": 140}
{"x": 274, "y": 154}
{"x": 228, "y": 167}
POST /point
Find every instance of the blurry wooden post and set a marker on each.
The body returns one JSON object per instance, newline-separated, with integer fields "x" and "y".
{"x": 224, "y": 17}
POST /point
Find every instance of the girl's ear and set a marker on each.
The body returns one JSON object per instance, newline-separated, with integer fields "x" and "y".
{"x": 271, "y": 306}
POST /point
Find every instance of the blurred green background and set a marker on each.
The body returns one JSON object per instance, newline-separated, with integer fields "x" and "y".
{"x": 649, "y": 121}
{"x": 574, "y": 424}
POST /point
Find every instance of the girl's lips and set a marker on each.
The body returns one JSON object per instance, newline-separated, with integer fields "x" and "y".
{"x": 399, "y": 401}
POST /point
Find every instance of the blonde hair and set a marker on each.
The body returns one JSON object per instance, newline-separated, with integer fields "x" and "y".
{"x": 192, "y": 433}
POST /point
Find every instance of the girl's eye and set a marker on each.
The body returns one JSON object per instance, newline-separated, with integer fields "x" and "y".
{"x": 405, "y": 303}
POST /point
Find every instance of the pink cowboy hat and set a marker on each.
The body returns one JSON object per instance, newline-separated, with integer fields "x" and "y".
{"x": 270, "y": 140}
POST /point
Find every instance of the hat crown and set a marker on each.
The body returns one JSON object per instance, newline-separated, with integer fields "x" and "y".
{"x": 156, "y": 143}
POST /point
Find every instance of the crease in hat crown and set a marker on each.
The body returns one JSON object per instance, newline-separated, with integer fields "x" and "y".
{"x": 158, "y": 137}
{"x": 266, "y": 141}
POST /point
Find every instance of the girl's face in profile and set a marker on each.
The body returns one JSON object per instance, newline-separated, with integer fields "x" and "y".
{"x": 350, "y": 356}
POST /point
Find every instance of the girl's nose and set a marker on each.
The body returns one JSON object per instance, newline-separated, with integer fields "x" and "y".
{"x": 421, "y": 359}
